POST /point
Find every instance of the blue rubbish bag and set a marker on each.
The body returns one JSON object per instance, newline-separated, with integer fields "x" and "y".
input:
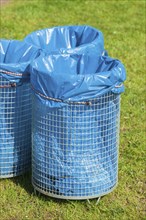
{"x": 76, "y": 100}
{"x": 15, "y": 106}
{"x": 68, "y": 39}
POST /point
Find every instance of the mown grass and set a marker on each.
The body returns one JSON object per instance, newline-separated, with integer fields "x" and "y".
{"x": 123, "y": 25}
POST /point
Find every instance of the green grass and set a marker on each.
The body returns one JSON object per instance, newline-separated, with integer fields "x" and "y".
{"x": 123, "y": 25}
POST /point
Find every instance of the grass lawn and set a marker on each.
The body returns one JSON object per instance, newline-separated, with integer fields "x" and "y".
{"x": 123, "y": 25}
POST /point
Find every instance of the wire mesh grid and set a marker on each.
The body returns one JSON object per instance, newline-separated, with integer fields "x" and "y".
{"x": 75, "y": 148}
{"x": 15, "y": 128}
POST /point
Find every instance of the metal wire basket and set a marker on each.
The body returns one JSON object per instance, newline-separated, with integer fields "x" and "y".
{"x": 75, "y": 148}
{"x": 15, "y": 128}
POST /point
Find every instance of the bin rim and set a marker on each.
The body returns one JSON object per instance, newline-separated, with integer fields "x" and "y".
{"x": 15, "y": 58}
{"x": 75, "y": 87}
{"x": 40, "y": 38}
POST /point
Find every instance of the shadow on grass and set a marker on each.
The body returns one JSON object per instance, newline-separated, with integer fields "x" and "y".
{"x": 24, "y": 181}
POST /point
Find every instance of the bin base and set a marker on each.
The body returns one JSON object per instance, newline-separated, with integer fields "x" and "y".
{"x": 14, "y": 175}
{"x": 73, "y": 197}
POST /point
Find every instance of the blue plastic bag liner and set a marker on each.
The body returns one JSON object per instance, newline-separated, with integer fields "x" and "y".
{"x": 76, "y": 77}
{"x": 68, "y": 39}
{"x": 15, "y": 56}
{"x": 75, "y": 124}
{"x": 15, "y": 107}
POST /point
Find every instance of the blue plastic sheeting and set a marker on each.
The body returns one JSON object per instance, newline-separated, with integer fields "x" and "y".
{"x": 75, "y": 147}
{"x": 68, "y": 39}
{"x": 15, "y": 56}
{"x": 76, "y": 77}
{"x": 15, "y": 107}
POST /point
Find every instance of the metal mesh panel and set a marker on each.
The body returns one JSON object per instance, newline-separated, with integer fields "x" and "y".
{"x": 15, "y": 128}
{"x": 75, "y": 148}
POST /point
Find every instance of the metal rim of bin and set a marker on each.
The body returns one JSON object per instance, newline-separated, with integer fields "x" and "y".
{"x": 24, "y": 167}
{"x": 73, "y": 197}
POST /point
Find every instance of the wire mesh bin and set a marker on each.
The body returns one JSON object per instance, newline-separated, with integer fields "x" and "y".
{"x": 75, "y": 126}
{"x": 15, "y": 128}
{"x": 75, "y": 148}
{"x": 15, "y": 107}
